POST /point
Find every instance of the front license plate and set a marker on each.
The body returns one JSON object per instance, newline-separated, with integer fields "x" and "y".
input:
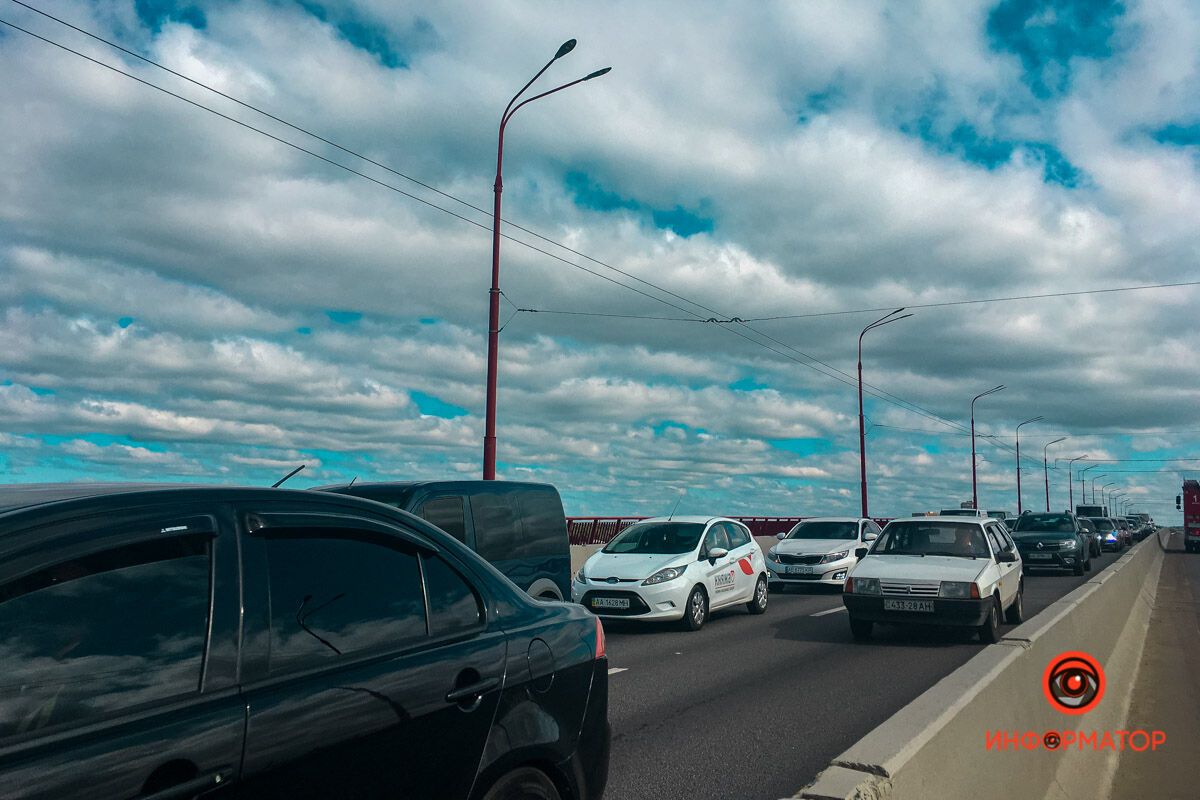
{"x": 1040, "y": 556}
{"x": 610, "y": 602}
{"x": 800, "y": 570}
{"x": 907, "y": 605}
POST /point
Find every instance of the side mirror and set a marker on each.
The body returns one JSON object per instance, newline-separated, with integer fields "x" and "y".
{"x": 860, "y": 553}
{"x": 717, "y": 552}
{"x": 870, "y": 537}
{"x": 1006, "y": 557}
{"x": 781, "y": 536}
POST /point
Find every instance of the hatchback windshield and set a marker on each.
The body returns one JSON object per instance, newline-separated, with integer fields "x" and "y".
{"x": 657, "y": 538}
{"x": 1102, "y": 523}
{"x": 1039, "y": 523}
{"x": 940, "y": 538}
{"x": 824, "y": 530}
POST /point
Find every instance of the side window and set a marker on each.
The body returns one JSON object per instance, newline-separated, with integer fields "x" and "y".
{"x": 738, "y": 536}
{"x": 454, "y": 607}
{"x": 716, "y": 537}
{"x": 336, "y": 594}
{"x": 102, "y": 634}
{"x": 994, "y": 539}
{"x": 545, "y": 525}
{"x": 447, "y": 514}
{"x": 497, "y": 531}
{"x": 1005, "y": 539}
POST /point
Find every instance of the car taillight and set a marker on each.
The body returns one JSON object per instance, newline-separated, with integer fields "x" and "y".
{"x": 600, "y": 651}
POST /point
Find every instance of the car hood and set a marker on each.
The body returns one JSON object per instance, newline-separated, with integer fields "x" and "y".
{"x": 631, "y": 566}
{"x": 805, "y": 547}
{"x": 1032, "y": 539}
{"x": 919, "y": 568}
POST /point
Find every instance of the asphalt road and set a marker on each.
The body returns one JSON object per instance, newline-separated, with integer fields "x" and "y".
{"x": 756, "y": 706}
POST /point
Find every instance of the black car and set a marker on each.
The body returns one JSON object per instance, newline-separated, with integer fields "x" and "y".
{"x": 1097, "y": 540}
{"x": 265, "y": 643}
{"x": 1053, "y": 540}
{"x": 519, "y": 527}
{"x": 1110, "y": 533}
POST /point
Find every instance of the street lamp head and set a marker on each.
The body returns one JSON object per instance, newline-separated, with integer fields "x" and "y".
{"x": 598, "y": 73}
{"x": 566, "y": 47}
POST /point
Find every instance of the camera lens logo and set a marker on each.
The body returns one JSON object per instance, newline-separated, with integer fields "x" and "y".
{"x": 1073, "y": 683}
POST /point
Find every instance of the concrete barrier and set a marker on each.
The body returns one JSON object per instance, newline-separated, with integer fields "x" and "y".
{"x": 935, "y": 746}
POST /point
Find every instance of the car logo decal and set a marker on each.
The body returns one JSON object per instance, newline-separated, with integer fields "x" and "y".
{"x": 1040, "y": 545}
{"x": 613, "y": 580}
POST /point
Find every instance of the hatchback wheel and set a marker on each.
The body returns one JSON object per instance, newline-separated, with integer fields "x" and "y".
{"x": 989, "y": 631}
{"x": 696, "y": 613}
{"x": 1016, "y": 612}
{"x": 758, "y": 603}
{"x": 526, "y": 783}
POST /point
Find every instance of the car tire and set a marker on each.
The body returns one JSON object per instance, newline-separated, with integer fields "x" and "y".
{"x": 758, "y": 603}
{"x": 1078, "y": 568}
{"x": 989, "y": 631}
{"x": 525, "y": 783}
{"x": 1087, "y": 565}
{"x": 695, "y": 613}
{"x": 861, "y": 629}
{"x": 1016, "y": 612}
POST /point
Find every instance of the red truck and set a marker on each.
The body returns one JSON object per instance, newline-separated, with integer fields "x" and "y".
{"x": 1191, "y": 515}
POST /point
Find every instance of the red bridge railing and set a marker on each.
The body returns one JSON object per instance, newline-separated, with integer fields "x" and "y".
{"x": 599, "y": 530}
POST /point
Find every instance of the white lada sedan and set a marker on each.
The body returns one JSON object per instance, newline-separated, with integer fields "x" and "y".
{"x": 937, "y": 571}
{"x": 679, "y": 568}
{"x": 818, "y": 551}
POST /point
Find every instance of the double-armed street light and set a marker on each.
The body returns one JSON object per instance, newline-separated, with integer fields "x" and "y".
{"x": 489, "y": 433}
{"x": 1094, "y": 479}
{"x": 1082, "y": 484}
{"x": 1071, "y": 481}
{"x": 862, "y": 431}
{"x": 1046, "y": 466}
{"x": 1104, "y": 502}
{"x": 974, "y": 485}
{"x": 1026, "y": 422}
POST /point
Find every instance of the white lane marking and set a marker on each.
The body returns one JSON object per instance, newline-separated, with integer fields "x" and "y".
{"x": 615, "y": 670}
{"x": 828, "y": 611}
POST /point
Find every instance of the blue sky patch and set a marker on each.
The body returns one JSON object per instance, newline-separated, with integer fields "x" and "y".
{"x": 591, "y": 195}
{"x": 304, "y": 331}
{"x": 683, "y": 222}
{"x": 1178, "y": 134}
{"x": 125, "y": 322}
{"x": 359, "y": 32}
{"x": 802, "y": 447}
{"x": 344, "y": 317}
{"x": 42, "y": 391}
{"x": 428, "y": 320}
{"x": 156, "y": 13}
{"x": 432, "y": 406}
{"x": 1046, "y": 34}
{"x": 965, "y": 142}
{"x": 747, "y": 385}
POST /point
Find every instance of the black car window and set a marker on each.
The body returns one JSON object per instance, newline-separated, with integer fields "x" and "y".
{"x": 103, "y": 634}
{"x": 454, "y": 607}
{"x": 545, "y": 525}
{"x": 447, "y": 514}
{"x": 497, "y": 526}
{"x": 336, "y": 594}
{"x": 738, "y": 536}
{"x": 716, "y": 537}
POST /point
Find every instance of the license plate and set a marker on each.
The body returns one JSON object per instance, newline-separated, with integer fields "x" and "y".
{"x": 1040, "y": 556}
{"x": 907, "y": 605}
{"x": 794, "y": 570}
{"x": 610, "y": 602}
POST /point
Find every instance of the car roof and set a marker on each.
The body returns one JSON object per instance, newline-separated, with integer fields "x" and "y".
{"x": 450, "y": 484}
{"x": 946, "y": 518}
{"x": 703, "y": 520}
{"x": 24, "y": 495}
{"x": 832, "y": 519}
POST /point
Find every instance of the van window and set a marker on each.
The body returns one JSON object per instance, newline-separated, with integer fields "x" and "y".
{"x": 104, "y": 633}
{"x": 545, "y": 526}
{"x": 336, "y": 594}
{"x": 497, "y": 526}
{"x": 447, "y": 514}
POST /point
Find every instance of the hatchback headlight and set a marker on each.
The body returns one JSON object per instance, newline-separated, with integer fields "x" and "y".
{"x": 838, "y": 556}
{"x": 664, "y": 575}
{"x": 580, "y": 577}
{"x": 862, "y": 585}
{"x": 961, "y": 590}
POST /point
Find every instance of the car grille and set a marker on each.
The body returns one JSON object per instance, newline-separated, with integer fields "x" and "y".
{"x": 909, "y": 589}
{"x": 611, "y": 580}
{"x": 785, "y": 558}
{"x": 1046, "y": 546}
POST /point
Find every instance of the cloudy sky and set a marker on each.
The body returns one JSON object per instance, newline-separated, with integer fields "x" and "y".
{"x": 187, "y": 299}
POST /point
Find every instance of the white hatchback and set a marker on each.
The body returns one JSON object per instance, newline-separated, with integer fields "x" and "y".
{"x": 677, "y": 568}
{"x": 954, "y": 571}
{"x": 818, "y": 551}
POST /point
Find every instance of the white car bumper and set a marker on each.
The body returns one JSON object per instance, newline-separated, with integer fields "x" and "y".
{"x": 831, "y": 574}
{"x": 632, "y": 600}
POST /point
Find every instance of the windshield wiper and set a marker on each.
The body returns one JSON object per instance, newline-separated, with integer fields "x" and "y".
{"x": 948, "y": 553}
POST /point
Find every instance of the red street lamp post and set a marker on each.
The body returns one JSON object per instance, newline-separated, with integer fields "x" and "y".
{"x": 1026, "y": 422}
{"x": 1046, "y": 467}
{"x": 974, "y": 488}
{"x": 489, "y": 432}
{"x": 862, "y": 431}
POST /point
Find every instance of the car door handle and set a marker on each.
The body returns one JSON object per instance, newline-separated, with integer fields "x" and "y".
{"x": 467, "y": 692}
{"x": 188, "y": 788}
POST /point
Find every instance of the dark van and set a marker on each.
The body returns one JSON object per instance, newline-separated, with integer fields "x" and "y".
{"x": 519, "y": 527}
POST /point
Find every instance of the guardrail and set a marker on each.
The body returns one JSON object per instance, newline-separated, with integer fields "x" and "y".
{"x": 599, "y": 530}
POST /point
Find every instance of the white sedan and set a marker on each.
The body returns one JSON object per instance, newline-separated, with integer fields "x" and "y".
{"x": 677, "y": 568}
{"x": 818, "y": 550}
{"x": 937, "y": 571}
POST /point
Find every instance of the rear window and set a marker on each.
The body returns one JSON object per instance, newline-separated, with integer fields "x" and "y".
{"x": 1055, "y": 523}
